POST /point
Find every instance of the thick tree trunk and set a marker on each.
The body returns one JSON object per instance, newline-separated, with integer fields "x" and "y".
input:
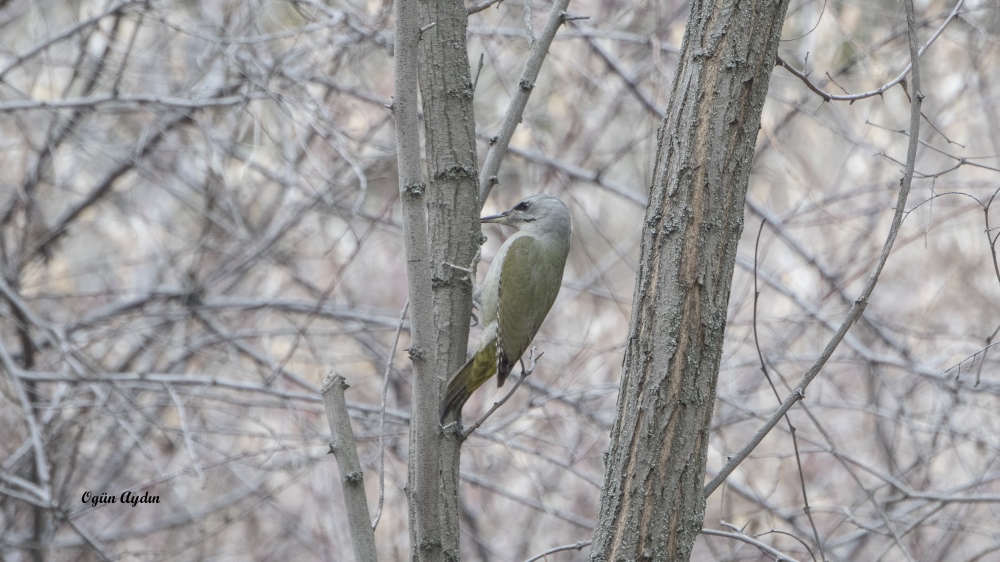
{"x": 652, "y": 505}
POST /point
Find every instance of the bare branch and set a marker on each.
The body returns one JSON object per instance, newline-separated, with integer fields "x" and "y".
{"x": 532, "y": 66}
{"x": 765, "y": 548}
{"x": 884, "y": 87}
{"x": 351, "y": 475}
{"x": 564, "y": 548}
{"x": 381, "y": 417}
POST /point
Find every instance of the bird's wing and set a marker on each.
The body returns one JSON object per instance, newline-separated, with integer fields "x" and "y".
{"x": 529, "y": 283}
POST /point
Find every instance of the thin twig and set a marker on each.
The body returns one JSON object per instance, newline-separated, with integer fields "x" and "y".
{"x": 381, "y": 415}
{"x": 767, "y": 375}
{"x": 481, "y": 6}
{"x": 630, "y": 79}
{"x": 186, "y": 432}
{"x": 134, "y": 102}
{"x": 992, "y": 239}
{"x": 766, "y": 548}
{"x": 532, "y": 361}
{"x": 575, "y": 546}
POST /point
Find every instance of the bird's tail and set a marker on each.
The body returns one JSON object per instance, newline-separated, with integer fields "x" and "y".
{"x": 471, "y": 376}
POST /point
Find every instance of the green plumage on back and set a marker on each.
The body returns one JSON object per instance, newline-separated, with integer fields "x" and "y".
{"x": 520, "y": 287}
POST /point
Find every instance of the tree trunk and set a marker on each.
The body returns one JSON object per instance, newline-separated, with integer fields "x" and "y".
{"x": 443, "y": 298}
{"x": 652, "y": 505}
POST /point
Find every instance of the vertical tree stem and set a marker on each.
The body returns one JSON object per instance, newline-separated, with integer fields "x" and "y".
{"x": 652, "y": 504}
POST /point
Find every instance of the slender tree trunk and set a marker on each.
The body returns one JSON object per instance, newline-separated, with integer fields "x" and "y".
{"x": 453, "y": 209}
{"x": 413, "y": 197}
{"x": 450, "y": 240}
{"x": 652, "y": 504}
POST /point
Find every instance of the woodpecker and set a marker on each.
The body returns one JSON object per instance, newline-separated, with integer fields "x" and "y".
{"x": 520, "y": 287}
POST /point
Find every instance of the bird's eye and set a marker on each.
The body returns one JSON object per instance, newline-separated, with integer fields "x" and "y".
{"x": 522, "y": 206}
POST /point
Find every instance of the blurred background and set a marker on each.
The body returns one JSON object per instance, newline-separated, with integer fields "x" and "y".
{"x": 199, "y": 221}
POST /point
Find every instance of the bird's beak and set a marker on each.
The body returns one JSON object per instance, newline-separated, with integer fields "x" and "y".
{"x": 498, "y": 219}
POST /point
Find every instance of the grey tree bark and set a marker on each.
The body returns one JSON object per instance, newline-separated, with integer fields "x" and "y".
{"x": 351, "y": 476}
{"x": 442, "y": 235}
{"x": 454, "y": 232}
{"x": 652, "y": 503}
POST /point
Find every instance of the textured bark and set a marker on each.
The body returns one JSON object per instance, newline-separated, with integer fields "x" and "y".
{"x": 352, "y": 478}
{"x": 453, "y": 232}
{"x": 652, "y": 504}
{"x": 413, "y": 195}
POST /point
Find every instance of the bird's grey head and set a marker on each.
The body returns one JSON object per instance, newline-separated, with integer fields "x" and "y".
{"x": 537, "y": 213}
